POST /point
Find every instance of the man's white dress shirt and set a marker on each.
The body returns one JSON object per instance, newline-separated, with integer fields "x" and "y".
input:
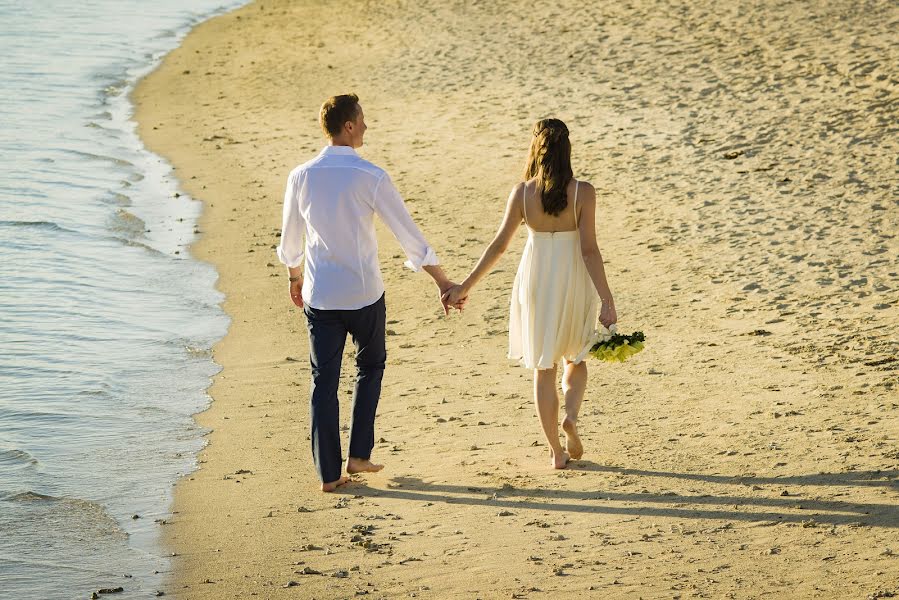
{"x": 331, "y": 201}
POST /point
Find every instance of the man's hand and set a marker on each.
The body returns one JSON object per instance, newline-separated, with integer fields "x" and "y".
{"x": 445, "y": 287}
{"x": 296, "y": 292}
{"x": 454, "y": 296}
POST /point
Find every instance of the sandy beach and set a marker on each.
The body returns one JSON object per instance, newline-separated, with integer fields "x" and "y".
{"x": 745, "y": 165}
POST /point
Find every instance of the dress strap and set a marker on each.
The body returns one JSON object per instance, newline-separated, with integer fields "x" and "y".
{"x": 576, "y": 184}
{"x": 524, "y": 202}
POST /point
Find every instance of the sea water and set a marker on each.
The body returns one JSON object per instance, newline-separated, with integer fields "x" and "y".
{"x": 106, "y": 323}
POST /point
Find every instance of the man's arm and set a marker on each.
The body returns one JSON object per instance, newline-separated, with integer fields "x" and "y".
{"x": 389, "y": 206}
{"x": 295, "y": 285}
{"x": 443, "y": 284}
{"x": 292, "y": 247}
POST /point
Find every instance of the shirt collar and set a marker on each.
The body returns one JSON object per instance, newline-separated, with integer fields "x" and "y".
{"x": 338, "y": 151}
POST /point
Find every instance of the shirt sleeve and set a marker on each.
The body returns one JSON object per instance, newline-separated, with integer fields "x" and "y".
{"x": 389, "y": 206}
{"x": 293, "y": 227}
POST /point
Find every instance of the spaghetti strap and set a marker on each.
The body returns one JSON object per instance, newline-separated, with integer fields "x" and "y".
{"x": 524, "y": 202}
{"x": 576, "y": 184}
{"x": 553, "y": 309}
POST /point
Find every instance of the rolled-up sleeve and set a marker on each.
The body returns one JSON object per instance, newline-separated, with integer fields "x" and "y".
{"x": 293, "y": 227}
{"x": 389, "y": 206}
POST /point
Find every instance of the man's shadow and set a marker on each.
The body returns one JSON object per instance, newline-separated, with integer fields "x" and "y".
{"x": 791, "y": 506}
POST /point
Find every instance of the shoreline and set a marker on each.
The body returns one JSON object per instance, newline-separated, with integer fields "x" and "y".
{"x": 233, "y": 110}
{"x": 97, "y": 419}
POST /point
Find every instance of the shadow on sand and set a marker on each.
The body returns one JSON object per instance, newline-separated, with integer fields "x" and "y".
{"x": 788, "y": 506}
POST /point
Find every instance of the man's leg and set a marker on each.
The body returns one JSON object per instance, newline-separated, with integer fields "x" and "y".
{"x": 327, "y": 337}
{"x": 367, "y": 328}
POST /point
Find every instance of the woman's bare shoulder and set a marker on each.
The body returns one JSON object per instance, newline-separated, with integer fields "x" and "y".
{"x": 585, "y": 185}
{"x": 585, "y": 190}
{"x": 516, "y": 193}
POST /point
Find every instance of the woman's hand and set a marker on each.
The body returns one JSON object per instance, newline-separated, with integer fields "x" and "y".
{"x": 455, "y": 297}
{"x": 296, "y": 291}
{"x": 607, "y": 314}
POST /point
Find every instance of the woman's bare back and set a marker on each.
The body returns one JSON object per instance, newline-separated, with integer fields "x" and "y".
{"x": 538, "y": 220}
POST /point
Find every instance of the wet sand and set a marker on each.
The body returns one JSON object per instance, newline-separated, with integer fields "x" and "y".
{"x": 744, "y": 162}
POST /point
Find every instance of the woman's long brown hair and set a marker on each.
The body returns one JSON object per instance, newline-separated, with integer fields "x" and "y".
{"x": 549, "y": 160}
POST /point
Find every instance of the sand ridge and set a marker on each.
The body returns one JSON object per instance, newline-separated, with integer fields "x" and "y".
{"x": 744, "y": 164}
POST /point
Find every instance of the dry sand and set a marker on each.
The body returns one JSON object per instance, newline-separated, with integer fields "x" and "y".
{"x": 745, "y": 161}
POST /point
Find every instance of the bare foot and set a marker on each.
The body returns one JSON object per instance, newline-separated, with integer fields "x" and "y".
{"x": 573, "y": 441}
{"x": 560, "y": 461}
{"x": 333, "y": 485}
{"x": 361, "y": 465}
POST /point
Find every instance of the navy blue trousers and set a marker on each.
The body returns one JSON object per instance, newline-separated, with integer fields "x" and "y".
{"x": 327, "y": 337}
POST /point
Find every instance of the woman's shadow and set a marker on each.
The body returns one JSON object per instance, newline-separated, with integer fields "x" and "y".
{"x": 767, "y": 498}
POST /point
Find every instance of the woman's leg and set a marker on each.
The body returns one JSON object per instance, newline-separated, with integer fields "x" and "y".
{"x": 547, "y": 400}
{"x": 574, "y": 384}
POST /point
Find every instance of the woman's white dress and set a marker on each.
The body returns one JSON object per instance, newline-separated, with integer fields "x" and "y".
{"x": 554, "y": 302}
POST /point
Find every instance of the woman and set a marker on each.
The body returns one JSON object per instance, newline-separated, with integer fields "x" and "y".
{"x": 558, "y": 285}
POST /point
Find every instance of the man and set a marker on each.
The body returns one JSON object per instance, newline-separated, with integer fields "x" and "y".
{"x": 331, "y": 201}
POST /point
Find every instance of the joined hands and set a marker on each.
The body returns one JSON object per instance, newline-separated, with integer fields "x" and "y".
{"x": 452, "y": 295}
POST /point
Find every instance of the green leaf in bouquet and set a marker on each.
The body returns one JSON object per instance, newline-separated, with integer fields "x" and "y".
{"x": 619, "y": 347}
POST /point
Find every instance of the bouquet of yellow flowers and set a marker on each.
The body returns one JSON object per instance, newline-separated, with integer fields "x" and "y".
{"x": 616, "y": 347}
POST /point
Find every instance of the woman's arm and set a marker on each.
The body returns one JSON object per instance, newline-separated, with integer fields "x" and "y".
{"x": 511, "y": 221}
{"x": 591, "y": 254}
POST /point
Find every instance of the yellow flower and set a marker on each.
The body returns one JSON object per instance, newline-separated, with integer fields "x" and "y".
{"x": 619, "y": 353}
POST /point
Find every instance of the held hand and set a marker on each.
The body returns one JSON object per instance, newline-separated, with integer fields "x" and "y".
{"x": 296, "y": 292}
{"x": 607, "y": 315}
{"x": 442, "y": 287}
{"x": 455, "y": 297}
{"x": 445, "y": 288}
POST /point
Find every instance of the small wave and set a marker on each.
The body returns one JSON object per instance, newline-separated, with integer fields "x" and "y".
{"x": 117, "y": 199}
{"x": 44, "y": 225}
{"x": 31, "y": 497}
{"x": 147, "y": 247}
{"x": 197, "y": 352}
{"x": 16, "y": 458}
{"x": 94, "y": 394}
{"x": 92, "y": 156}
{"x": 68, "y": 516}
{"x": 167, "y": 33}
{"x": 127, "y": 223}
{"x": 116, "y": 88}
{"x": 49, "y": 565}
{"x": 193, "y": 346}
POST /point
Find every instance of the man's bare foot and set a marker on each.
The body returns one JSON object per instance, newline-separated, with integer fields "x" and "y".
{"x": 560, "y": 461}
{"x": 572, "y": 440}
{"x": 361, "y": 465}
{"x": 333, "y": 485}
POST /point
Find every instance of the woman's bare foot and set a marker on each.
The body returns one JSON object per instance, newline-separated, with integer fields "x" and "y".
{"x": 361, "y": 465}
{"x": 560, "y": 460}
{"x": 333, "y": 485}
{"x": 573, "y": 441}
